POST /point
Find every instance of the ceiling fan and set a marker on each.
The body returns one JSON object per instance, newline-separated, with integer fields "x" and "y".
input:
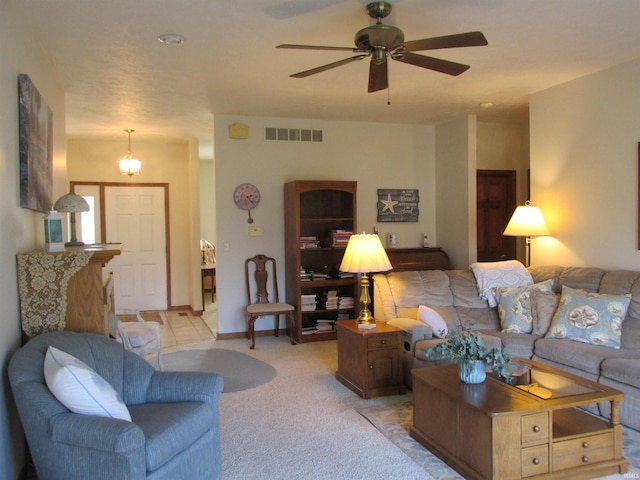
{"x": 381, "y": 42}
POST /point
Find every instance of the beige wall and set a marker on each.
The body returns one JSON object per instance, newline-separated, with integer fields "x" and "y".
{"x": 376, "y": 155}
{"x": 21, "y": 230}
{"x": 456, "y": 204}
{"x": 162, "y": 162}
{"x": 584, "y": 169}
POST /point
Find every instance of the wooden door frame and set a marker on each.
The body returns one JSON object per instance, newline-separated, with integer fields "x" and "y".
{"x": 103, "y": 218}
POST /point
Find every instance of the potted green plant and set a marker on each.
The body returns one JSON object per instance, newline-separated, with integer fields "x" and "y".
{"x": 465, "y": 346}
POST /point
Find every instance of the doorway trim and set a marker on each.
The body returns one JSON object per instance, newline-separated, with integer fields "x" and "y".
{"x": 103, "y": 219}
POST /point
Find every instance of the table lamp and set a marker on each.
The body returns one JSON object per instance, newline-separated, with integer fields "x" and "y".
{"x": 72, "y": 203}
{"x": 365, "y": 254}
{"x": 527, "y": 221}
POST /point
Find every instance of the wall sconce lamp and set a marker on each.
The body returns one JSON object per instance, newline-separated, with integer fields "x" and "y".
{"x": 72, "y": 203}
{"x": 527, "y": 221}
{"x": 129, "y": 165}
{"x": 365, "y": 254}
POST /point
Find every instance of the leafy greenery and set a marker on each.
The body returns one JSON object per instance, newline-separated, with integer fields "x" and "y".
{"x": 464, "y": 343}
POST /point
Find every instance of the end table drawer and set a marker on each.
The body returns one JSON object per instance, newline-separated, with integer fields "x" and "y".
{"x": 535, "y": 460}
{"x": 535, "y": 428}
{"x": 383, "y": 341}
{"x": 582, "y": 451}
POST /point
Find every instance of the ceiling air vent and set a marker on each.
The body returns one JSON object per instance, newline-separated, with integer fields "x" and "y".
{"x": 292, "y": 134}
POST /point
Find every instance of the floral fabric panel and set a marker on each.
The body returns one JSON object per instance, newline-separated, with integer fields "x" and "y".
{"x": 515, "y": 306}
{"x": 42, "y": 283}
{"x": 589, "y": 317}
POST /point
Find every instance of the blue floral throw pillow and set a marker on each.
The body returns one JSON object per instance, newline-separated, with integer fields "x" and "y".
{"x": 589, "y": 317}
{"x": 515, "y": 307}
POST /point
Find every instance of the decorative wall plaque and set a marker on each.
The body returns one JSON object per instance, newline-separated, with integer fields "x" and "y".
{"x": 398, "y": 205}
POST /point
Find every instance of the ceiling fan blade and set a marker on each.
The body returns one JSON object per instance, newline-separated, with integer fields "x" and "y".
{"x": 378, "y": 77}
{"x": 329, "y": 66}
{"x": 437, "y": 64}
{"x": 469, "y": 39}
{"x": 316, "y": 47}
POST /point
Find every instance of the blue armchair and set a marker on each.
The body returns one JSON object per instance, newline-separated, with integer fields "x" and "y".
{"x": 174, "y": 431}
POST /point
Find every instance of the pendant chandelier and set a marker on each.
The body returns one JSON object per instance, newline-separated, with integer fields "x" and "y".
{"x": 129, "y": 165}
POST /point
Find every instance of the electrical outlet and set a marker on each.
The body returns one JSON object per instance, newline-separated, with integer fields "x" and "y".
{"x": 226, "y": 246}
{"x": 255, "y": 231}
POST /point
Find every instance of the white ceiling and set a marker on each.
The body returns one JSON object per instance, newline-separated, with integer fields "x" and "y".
{"x": 117, "y": 75}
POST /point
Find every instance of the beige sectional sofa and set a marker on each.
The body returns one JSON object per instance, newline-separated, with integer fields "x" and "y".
{"x": 454, "y": 295}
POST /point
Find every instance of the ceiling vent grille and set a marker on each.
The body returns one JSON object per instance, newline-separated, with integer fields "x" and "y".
{"x": 292, "y": 134}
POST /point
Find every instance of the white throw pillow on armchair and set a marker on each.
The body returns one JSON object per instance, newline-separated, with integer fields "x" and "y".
{"x": 79, "y": 388}
{"x": 434, "y": 320}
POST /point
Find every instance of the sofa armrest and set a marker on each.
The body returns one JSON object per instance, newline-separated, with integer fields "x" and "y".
{"x": 97, "y": 433}
{"x": 185, "y": 387}
{"x": 415, "y": 328}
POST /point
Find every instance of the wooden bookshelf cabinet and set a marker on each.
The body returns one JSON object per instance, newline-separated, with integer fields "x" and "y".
{"x": 315, "y": 209}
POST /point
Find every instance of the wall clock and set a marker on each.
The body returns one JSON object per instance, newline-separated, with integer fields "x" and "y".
{"x": 246, "y": 196}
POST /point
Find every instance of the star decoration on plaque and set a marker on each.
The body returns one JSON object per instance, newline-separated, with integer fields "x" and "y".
{"x": 389, "y": 204}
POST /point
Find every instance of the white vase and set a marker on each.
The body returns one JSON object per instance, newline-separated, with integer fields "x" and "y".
{"x": 472, "y": 371}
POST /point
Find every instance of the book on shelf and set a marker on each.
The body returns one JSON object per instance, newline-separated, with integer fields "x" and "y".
{"x": 309, "y": 242}
{"x": 346, "y": 302}
{"x": 307, "y": 302}
{"x": 339, "y": 238}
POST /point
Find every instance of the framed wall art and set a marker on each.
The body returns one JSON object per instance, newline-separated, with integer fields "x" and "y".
{"x": 36, "y": 148}
{"x": 398, "y": 205}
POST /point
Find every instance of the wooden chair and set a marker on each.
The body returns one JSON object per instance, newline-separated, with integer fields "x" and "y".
{"x": 262, "y": 266}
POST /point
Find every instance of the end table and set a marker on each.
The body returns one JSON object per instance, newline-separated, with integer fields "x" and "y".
{"x": 369, "y": 361}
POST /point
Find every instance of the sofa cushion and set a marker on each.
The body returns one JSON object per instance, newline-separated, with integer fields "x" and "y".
{"x": 479, "y": 318}
{"x": 589, "y": 317}
{"x": 583, "y": 278}
{"x": 623, "y": 370}
{"x": 166, "y": 425}
{"x": 429, "y": 287}
{"x": 464, "y": 289}
{"x": 79, "y": 388}
{"x": 515, "y": 308}
{"x": 544, "y": 307}
{"x": 546, "y": 272}
{"x": 515, "y": 344}
{"x": 581, "y": 356}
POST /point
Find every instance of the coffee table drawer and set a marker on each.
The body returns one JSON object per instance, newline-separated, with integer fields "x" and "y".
{"x": 583, "y": 451}
{"x": 535, "y": 460}
{"x": 535, "y": 428}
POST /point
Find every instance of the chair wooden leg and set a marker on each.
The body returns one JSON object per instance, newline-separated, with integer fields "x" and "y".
{"x": 277, "y": 324}
{"x": 252, "y": 332}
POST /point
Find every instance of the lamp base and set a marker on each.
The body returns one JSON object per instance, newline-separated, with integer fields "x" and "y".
{"x": 365, "y": 319}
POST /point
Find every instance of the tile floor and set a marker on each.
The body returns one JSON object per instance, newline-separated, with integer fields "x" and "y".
{"x": 182, "y": 328}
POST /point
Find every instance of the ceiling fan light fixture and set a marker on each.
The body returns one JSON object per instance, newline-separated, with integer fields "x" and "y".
{"x": 378, "y": 56}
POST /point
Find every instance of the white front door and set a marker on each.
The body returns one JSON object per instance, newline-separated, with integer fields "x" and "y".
{"x": 135, "y": 217}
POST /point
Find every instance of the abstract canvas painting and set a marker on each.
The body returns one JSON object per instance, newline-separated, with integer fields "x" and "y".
{"x": 36, "y": 148}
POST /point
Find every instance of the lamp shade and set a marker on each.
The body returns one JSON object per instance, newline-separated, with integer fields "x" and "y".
{"x": 365, "y": 254}
{"x": 71, "y": 202}
{"x": 526, "y": 221}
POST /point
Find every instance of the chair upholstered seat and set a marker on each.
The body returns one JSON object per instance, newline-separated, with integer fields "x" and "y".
{"x": 266, "y": 308}
{"x": 174, "y": 432}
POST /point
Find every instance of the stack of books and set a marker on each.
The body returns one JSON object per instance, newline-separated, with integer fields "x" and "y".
{"x": 339, "y": 238}
{"x": 330, "y": 299}
{"x": 326, "y": 325}
{"x": 345, "y": 302}
{"x": 309, "y": 242}
{"x": 308, "y": 303}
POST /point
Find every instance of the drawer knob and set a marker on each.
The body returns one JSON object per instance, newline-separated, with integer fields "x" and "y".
{"x": 370, "y": 367}
{"x": 585, "y": 459}
{"x": 383, "y": 342}
{"x": 536, "y": 428}
{"x": 585, "y": 445}
{"x": 536, "y": 461}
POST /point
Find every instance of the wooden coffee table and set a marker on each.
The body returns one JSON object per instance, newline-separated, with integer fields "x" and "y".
{"x": 494, "y": 430}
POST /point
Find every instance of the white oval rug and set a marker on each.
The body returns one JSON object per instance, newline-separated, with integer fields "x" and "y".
{"x": 239, "y": 370}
